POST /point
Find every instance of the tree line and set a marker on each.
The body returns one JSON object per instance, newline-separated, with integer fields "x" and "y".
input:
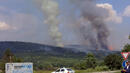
{"x": 110, "y": 62}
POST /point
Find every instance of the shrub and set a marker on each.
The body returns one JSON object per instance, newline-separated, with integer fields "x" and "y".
{"x": 90, "y": 60}
{"x": 113, "y": 61}
{"x": 101, "y": 68}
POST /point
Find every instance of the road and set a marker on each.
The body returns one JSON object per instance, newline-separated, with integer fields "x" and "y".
{"x": 107, "y": 72}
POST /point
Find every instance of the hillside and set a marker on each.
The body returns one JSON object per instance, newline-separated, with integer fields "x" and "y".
{"x": 21, "y": 48}
{"x": 39, "y": 53}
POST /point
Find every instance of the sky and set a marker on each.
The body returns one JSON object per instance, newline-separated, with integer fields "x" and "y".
{"x": 120, "y": 31}
{"x": 22, "y": 20}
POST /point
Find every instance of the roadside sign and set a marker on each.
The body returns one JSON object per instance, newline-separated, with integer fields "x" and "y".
{"x": 125, "y": 55}
{"x": 19, "y": 68}
{"x": 124, "y": 63}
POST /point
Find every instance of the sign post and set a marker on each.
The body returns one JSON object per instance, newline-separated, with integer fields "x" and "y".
{"x": 125, "y": 56}
{"x": 124, "y": 63}
{"x": 19, "y": 68}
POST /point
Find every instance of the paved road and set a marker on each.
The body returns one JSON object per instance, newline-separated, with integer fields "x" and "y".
{"x": 107, "y": 72}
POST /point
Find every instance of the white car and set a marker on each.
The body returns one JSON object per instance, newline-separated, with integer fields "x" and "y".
{"x": 64, "y": 70}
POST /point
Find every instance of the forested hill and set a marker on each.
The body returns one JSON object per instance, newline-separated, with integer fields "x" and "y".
{"x": 41, "y": 54}
{"x": 25, "y": 49}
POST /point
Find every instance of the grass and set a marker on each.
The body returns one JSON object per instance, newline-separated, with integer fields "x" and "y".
{"x": 41, "y": 71}
{"x": 90, "y": 70}
{"x": 77, "y": 71}
{"x": 118, "y": 72}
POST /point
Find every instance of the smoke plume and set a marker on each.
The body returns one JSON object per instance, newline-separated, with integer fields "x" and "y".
{"x": 88, "y": 17}
{"x": 50, "y": 9}
{"x": 89, "y": 11}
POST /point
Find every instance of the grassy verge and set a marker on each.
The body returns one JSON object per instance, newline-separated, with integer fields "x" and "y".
{"x": 118, "y": 72}
{"x": 77, "y": 71}
{"x": 41, "y": 71}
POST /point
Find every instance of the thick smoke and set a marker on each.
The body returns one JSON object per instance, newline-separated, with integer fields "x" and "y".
{"x": 90, "y": 14}
{"x": 50, "y": 9}
{"x": 89, "y": 11}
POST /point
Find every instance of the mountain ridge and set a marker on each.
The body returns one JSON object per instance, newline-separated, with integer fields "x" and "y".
{"x": 19, "y": 48}
{"x": 46, "y": 54}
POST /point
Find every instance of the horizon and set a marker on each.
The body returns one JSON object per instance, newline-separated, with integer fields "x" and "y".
{"x": 22, "y": 20}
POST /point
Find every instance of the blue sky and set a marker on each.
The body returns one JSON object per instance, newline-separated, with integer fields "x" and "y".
{"x": 119, "y": 5}
{"x": 22, "y": 20}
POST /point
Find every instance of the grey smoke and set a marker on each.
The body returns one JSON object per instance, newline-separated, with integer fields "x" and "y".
{"x": 51, "y": 11}
{"x": 96, "y": 16}
{"x": 89, "y": 12}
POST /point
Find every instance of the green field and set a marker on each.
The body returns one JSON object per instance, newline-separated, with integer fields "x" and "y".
{"x": 77, "y": 71}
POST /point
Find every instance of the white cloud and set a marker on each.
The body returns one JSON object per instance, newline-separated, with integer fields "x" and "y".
{"x": 112, "y": 16}
{"x": 127, "y": 11}
{"x": 19, "y": 26}
{"x": 4, "y": 26}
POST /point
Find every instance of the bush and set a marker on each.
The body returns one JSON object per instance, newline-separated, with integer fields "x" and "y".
{"x": 126, "y": 48}
{"x": 113, "y": 61}
{"x": 101, "y": 68}
{"x": 80, "y": 66}
{"x": 90, "y": 60}
{"x": 90, "y": 70}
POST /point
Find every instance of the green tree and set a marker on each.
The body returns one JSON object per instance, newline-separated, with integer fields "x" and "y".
{"x": 90, "y": 60}
{"x": 80, "y": 66}
{"x": 8, "y": 56}
{"x": 126, "y": 48}
{"x": 49, "y": 67}
{"x": 113, "y": 61}
{"x": 2, "y": 66}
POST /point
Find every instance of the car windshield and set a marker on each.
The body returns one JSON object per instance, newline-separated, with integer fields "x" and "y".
{"x": 69, "y": 69}
{"x": 58, "y": 70}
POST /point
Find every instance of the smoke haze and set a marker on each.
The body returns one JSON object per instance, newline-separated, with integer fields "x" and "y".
{"x": 87, "y": 19}
{"x": 90, "y": 12}
{"x": 51, "y": 11}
